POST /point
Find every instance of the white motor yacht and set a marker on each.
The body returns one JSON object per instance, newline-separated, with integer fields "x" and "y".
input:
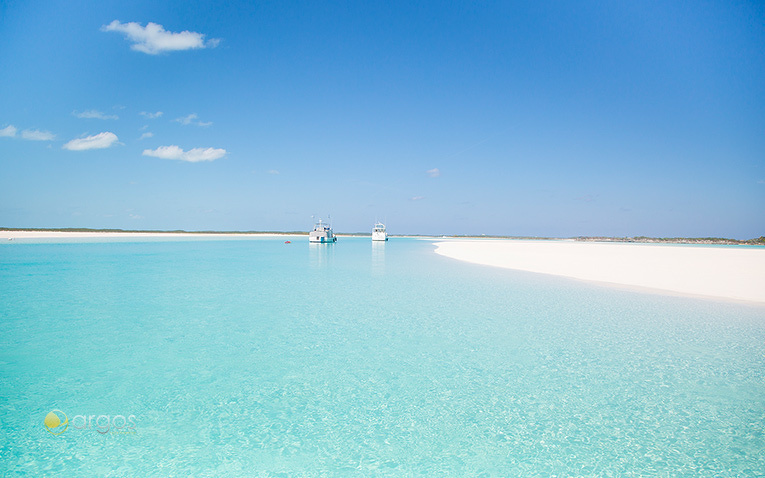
{"x": 322, "y": 234}
{"x": 379, "y": 233}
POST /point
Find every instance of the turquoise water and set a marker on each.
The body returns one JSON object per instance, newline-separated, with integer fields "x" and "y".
{"x": 259, "y": 358}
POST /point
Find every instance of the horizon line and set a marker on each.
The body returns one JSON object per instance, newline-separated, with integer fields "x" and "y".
{"x": 756, "y": 241}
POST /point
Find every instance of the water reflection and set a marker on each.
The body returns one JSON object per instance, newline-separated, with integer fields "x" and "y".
{"x": 320, "y": 255}
{"x": 378, "y": 257}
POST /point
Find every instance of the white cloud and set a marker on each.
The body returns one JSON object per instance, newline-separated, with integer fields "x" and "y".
{"x": 28, "y": 134}
{"x": 97, "y": 141}
{"x": 147, "y": 135}
{"x": 193, "y": 155}
{"x": 154, "y": 39}
{"x": 151, "y": 115}
{"x": 433, "y": 173}
{"x": 94, "y": 114}
{"x": 37, "y": 135}
{"x": 417, "y": 198}
{"x": 186, "y": 119}
{"x": 191, "y": 119}
{"x": 273, "y": 171}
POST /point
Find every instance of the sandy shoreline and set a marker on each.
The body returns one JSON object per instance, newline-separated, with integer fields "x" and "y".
{"x": 5, "y": 235}
{"x": 730, "y": 273}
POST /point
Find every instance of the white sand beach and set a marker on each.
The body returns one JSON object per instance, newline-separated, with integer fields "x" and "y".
{"x": 6, "y": 235}
{"x": 732, "y": 273}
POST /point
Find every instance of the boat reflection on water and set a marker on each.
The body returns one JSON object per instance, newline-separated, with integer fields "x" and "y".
{"x": 320, "y": 255}
{"x": 378, "y": 257}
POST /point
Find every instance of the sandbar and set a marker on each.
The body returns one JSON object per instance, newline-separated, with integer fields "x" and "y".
{"x": 33, "y": 234}
{"x": 721, "y": 272}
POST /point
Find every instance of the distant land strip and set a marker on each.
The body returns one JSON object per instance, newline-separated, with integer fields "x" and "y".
{"x": 142, "y": 231}
{"x": 640, "y": 239}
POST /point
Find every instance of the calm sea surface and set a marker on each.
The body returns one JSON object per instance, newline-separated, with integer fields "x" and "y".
{"x": 251, "y": 357}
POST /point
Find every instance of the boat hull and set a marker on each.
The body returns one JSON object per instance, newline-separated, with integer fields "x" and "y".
{"x": 322, "y": 240}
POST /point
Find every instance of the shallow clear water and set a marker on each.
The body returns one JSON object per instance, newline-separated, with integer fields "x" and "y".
{"x": 259, "y": 358}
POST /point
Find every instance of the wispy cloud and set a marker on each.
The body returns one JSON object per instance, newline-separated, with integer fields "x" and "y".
{"x": 417, "y": 198}
{"x": 433, "y": 173}
{"x": 148, "y": 134}
{"x": 94, "y": 114}
{"x": 37, "y": 135}
{"x": 586, "y": 198}
{"x": 154, "y": 39}
{"x": 193, "y": 155}
{"x": 8, "y": 132}
{"x": 151, "y": 115}
{"x": 191, "y": 119}
{"x": 28, "y": 134}
{"x": 273, "y": 171}
{"x": 97, "y": 141}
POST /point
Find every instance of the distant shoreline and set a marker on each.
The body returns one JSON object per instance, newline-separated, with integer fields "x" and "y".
{"x": 144, "y": 231}
{"x": 760, "y": 241}
{"x": 87, "y": 232}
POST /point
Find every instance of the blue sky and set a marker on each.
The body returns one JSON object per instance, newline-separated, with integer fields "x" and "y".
{"x": 515, "y": 118}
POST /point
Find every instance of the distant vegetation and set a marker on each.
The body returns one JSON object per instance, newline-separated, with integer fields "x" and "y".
{"x": 760, "y": 241}
{"x": 174, "y": 231}
{"x": 677, "y": 240}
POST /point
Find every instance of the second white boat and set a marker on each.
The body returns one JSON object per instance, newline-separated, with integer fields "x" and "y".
{"x": 379, "y": 233}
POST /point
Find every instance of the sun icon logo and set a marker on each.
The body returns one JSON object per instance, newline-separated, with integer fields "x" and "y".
{"x": 56, "y": 422}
